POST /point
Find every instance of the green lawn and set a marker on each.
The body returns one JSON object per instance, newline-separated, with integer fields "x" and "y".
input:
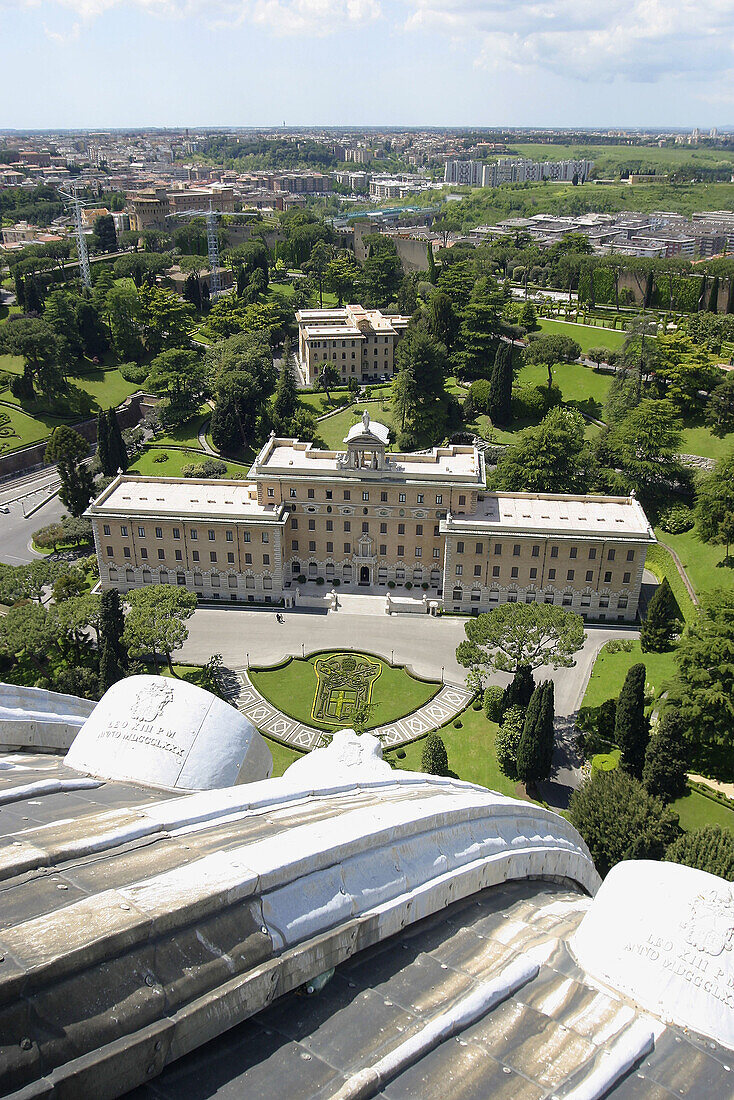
{"x": 696, "y": 810}
{"x": 701, "y": 561}
{"x": 700, "y": 440}
{"x": 333, "y": 430}
{"x": 291, "y": 689}
{"x": 610, "y": 670}
{"x": 186, "y": 434}
{"x": 17, "y": 429}
{"x": 586, "y": 336}
{"x": 660, "y": 562}
{"x": 175, "y": 460}
{"x": 283, "y": 756}
{"x": 12, "y": 363}
{"x": 316, "y": 401}
{"x": 582, "y": 387}
{"x": 470, "y": 751}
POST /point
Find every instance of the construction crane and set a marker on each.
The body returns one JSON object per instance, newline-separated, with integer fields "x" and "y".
{"x": 72, "y": 197}
{"x": 212, "y": 244}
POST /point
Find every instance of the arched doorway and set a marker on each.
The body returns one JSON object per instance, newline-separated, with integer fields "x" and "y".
{"x": 364, "y": 574}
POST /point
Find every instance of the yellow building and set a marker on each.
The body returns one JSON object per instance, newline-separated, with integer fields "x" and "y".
{"x": 359, "y": 342}
{"x": 373, "y": 520}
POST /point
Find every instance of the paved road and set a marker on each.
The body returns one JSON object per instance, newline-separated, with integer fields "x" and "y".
{"x": 425, "y": 644}
{"x": 16, "y": 531}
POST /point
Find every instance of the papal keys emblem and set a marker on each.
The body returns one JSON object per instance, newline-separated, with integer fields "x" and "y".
{"x": 344, "y": 686}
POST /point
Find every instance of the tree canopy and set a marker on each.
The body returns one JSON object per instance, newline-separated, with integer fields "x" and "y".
{"x": 516, "y": 634}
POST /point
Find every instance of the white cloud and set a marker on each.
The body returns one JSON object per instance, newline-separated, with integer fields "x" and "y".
{"x": 638, "y": 40}
{"x": 282, "y": 17}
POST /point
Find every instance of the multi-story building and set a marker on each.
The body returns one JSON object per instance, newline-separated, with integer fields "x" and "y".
{"x": 359, "y": 342}
{"x": 374, "y": 520}
{"x": 148, "y": 209}
{"x": 469, "y": 173}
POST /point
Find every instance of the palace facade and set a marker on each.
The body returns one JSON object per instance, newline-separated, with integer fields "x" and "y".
{"x": 375, "y": 520}
{"x": 359, "y": 343}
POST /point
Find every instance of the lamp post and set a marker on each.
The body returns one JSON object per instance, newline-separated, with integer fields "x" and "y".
{"x": 248, "y": 660}
{"x": 392, "y": 656}
{"x": 303, "y": 649}
{"x": 442, "y": 668}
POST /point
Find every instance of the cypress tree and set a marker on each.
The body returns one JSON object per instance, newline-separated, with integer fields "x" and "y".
{"x": 631, "y": 726}
{"x": 112, "y": 652}
{"x": 500, "y": 387}
{"x": 547, "y": 728}
{"x": 110, "y": 670}
{"x": 123, "y": 456}
{"x": 434, "y": 759}
{"x": 528, "y": 750}
{"x": 285, "y": 402}
{"x": 520, "y": 689}
{"x": 103, "y": 444}
{"x": 664, "y": 773}
{"x": 662, "y": 620}
{"x": 714, "y": 296}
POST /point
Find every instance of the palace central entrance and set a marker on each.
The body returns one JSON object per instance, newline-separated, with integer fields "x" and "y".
{"x": 364, "y": 575}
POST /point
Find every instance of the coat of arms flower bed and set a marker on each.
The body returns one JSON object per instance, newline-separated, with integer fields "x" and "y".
{"x": 344, "y": 687}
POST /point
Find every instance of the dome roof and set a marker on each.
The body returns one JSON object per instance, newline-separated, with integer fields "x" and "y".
{"x": 366, "y": 429}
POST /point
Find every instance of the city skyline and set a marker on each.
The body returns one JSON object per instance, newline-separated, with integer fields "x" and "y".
{"x": 360, "y": 62}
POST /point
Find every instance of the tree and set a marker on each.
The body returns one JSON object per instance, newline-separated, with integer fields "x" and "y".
{"x": 124, "y": 314}
{"x": 165, "y": 321}
{"x": 710, "y": 848}
{"x": 552, "y": 457}
{"x": 535, "y": 750}
{"x": 285, "y": 402}
{"x": 516, "y": 634}
{"x": 238, "y": 408}
{"x": 434, "y": 758}
{"x": 112, "y": 653}
{"x": 619, "y": 820}
{"x": 105, "y": 235}
{"x": 180, "y": 376}
{"x": 103, "y": 443}
{"x": 442, "y": 321}
{"x": 28, "y": 631}
{"x": 46, "y": 356}
{"x": 720, "y": 409}
{"x": 382, "y": 271}
{"x": 662, "y": 620}
{"x": 664, "y": 772}
{"x": 507, "y": 741}
{"x": 528, "y": 317}
{"x": 67, "y": 450}
{"x": 92, "y": 333}
{"x": 519, "y": 691}
{"x": 548, "y": 350}
{"x": 328, "y": 379}
{"x": 420, "y": 399}
{"x": 500, "y": 392}
{"x": 597, "y": 355}
{"x": 342, "y": 275}
{"x": 317, "y": 265}
{"x": 645, "y": 446}
{"x": 479, "y": 331}
{"x": 631, "y": 725}
{"x": 715, "y": 503}
{"x": 60, "y": 313}
{"x": 27, "y": 582}
{"x": 156, "y": 621}
{"x": 703, "y": 690}
{"x": 118, "y": 448}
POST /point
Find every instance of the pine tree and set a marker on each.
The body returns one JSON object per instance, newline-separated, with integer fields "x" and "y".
{"x": 434, "y": 759}
{"x": 520, "y": 689}
{"x": 103, "y": 444}
{"x": 662, "y": 620}
{"x": 631, "y": 726}
{"x": 500, "y": 392}
{"x": 664, "y": 773}
{"x": 710, "y": 848}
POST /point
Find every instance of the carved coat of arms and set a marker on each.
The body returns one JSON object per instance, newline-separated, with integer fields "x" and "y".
{"x": 710, "y": 924}
{"x": 150, "y": 701}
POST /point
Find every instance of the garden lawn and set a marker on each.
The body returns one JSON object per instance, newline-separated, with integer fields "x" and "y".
{"x": 14, "y": 364}
{"x": 586, "y": 336}
{"x": 186, "y": 434}
{"x": 700, "y": 440}
{"x": 582, "y": 387}
{"x": 610, "y": 670}
{"x": 701, "y": 561}
{"x": 333, "y": 430}
{"x": 175, "y": 461}
{"x": 696, "y": 810}
{"x": 316, "y": 401}
{"x": 283, "y": 756}
{"x": 470, "y": 750}
{"x": 291, "y": 688}
{"x": 17, "y": 429}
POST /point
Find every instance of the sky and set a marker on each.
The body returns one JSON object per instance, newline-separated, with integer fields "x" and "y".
{"x": 483, "y": 63}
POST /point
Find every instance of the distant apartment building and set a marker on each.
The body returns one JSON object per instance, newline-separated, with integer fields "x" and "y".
{"x": 521, "y": 170}
{"x": 149, "y": 208}
{"x": 359, "y": 342}
{"x": 373, "y": 520}
{"x": 468, "y": 173}
{"x": 397, "y": 187}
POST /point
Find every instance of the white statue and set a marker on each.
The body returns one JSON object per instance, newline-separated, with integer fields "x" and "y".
{"x": 366, "y": 420}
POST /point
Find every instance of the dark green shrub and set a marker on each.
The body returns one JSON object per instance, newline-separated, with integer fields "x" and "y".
{"x": 134, "y": 372}
{"x": 493, "y": 697}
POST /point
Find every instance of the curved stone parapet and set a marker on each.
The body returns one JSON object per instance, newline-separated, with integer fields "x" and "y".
{"x": 45, "y": 721}
{"x": 200, "y": 910}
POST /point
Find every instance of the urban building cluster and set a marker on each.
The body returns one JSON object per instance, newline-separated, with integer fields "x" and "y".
{"x": 473, "y": 173}
{"x": 373, "y": 520}
{"x": 660, "y": 234}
